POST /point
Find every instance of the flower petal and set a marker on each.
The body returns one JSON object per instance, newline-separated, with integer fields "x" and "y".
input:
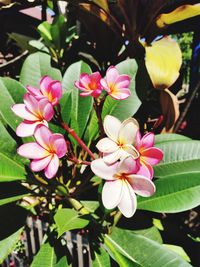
{"x": 34, "y": 91}
{"x": 39, "y": 164}
{"x": 21, "y": 111}
{"x": 52, "y": 167}
{"x": 148, "y": 166}
{"x": 106, "y": 145}
{"x": 152, "y": 155}
{"x": 111, "y": 158}
{"x": 128, "y": 165}
{"x": 111, "y": 127}
{"x": 128, "y": 131}
{"x": 146, "y": 171}
{"x": 131, "y": 150}
{"x": 42, "y": 135}
{"x": 56, "y": 90}
{"x": 128, "y": 202}
{"x": 120, "y": 94}
{"x": 44, "y": 85}
{"x": 26, "y": 128}
{"x": 58, "y": 144}
{"x": 112, "y": 193}
{"x": 104, "y": 85}
{"x": 123, "y": 81}
{"x": 32, "y": 151}
{"x": 142, "y": 185}
{"x": 46, "y": 109}
{"x": 31, "y": 103}
{"x": 104, "y": 171}
{"x": 111, "y": 75}
{"x": 147, "y": 141}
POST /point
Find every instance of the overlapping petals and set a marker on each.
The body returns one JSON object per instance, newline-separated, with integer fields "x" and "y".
{"x": 34, "y": 112}
{"x": 45, "y": 152}
{"x": 49, "y": 88}
{"x": 116, "y": 85}
{"x": 122, "y": 184}
{"x": 149, "y": 155}
{"x": 120, "y": 141}
{"x": 89, "y": 84}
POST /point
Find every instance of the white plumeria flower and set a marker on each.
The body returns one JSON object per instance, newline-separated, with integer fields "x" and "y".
{"x": 120, "y": 141}
{"x": 122, "y": 184}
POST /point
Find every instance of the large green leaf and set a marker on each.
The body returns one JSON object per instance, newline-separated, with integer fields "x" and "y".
{"x": 121, "y": 109}
{"x": 173, "y": 194}
{"x": 101, "y": 259}
{"x": 8, "y": 244}
{"x": 181, "y": 156}
{"x": 80, "y": 107}
{"x": 68, "y": 219}
{"x": 35, "y": 66}
{"x": 145, "y": 251}
{"x": 50, "y": 256}
{"x": 161, "y": 138}
{"x": 150, "y": 233}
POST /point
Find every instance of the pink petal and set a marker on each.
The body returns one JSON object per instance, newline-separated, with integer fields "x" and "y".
{"x": 39, "y": 164}
{"x": 31, "y": 103}
{"x": 147, "y": 140}
{"x": 111, "y": 158}
{"x": 52, "y": 167}
{"x": 106, "y": 145}
{"x": 46, "y": 109}
{"x": 96, "y": 93}
{"x": 42, "y": 135}
{"x": 123, "y": 81}
{"x": 111, "y": 127}
{"x": 148, "y": 166}
{"x": 142, "y": 185}
{"x": 96, "y": 77}
{"x": 144, "y": 171}
{"x": 152, "y": 155}
{"x": 32, "y": 151}
{"x": 44, "y": 84}
{"x": 111, "y": 75}
{"x": 34, "y": 91}
{"x": 85, "y": 80}
{"x": 21, "y": 111}
{"x": 26, "y": 128}
{"x": 102, "y": 170}
{"x": 112, "y": 193}
{"x": 80, "y": 86}
{"x": 128, "y": 165}
{"x": 128, "y": 131}
{"x": 128, "y": 202}
{"x": 56, "y": 89}
{"x": 138, "y": 140}
{"x": 104, "y": 85}
{"x": 58, "y": 144}
{"x": 86, "y": 93}
{"x": 120, "y": 94}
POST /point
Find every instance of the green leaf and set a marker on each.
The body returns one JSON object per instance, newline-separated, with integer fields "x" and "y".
{"x": 173, "y": 194}
{"x": 35, "y": 66}
{"x": 8, "y": 244}
{"x": 145, "y": 251}
{"x": 150, "y": 233}
{"x": 68, "y": 219}
{"x": 101, "y": 259}
{"x": 161, "y": 138}
{"x": 179, "y": 250}
{"x": 49, "y": 256}
{"x": 180, "y": 157}
{"x": 10, "y": 170}
{"x": 90, "y": 205}
{"x": 80, "y": 107}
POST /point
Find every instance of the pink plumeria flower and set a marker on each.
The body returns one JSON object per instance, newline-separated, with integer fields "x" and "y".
{"x": 120, "y": 141}
{"x": 116, "y": 85}
{"x": 45, "y": 152}
{"x": 33, "y": 112}
{"x": 149, "y": 155}
{"x": 122, "y": 184}
{"x": 50, "y": 89}
{"x": 89, "y": 84}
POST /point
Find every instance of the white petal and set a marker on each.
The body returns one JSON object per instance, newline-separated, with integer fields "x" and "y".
{"x": 128, "y": 202}
{"x": 21, "y": 111}
{"x": 52, "y": 167}
{"x": 39, "y": 164}
{"x": 106, "y": 145}
{"x": 111, "y": 127}
{"x": 101, "y": 169}
{"x": 111, "y": 158}
{"x": 128, "y": 131}
{"x": 112, "y": 193}
{"x": 32, "y": 151}
{"x": 131, "y": 150}
{"x": 141, "y": 185}
{"x": 26, "y": 128}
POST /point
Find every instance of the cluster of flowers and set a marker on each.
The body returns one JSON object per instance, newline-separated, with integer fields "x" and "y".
{"x": 36, "y": 112}
{"x": 126, "y": 164}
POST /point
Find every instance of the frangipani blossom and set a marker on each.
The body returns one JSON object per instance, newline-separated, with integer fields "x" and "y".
{"x": 116, "y": 85}
{"x": 149, "y": 155}
{"x": 122, "y": 184}
{"x": 120, "y": 141}
{"x": 45, "y": 152}
{"x": 89, "y": 84}
{"x": 33, "y": 112}
{"x": 50, "y": 89}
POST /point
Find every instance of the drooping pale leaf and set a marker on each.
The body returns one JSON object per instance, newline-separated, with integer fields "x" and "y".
{"x": 163, "y": 61}
{"x": 8, "y": 244}
{"x": 182, "y": 156}
{"x": 161, "y": 138}
{"x": 101, "y": 259}
{"x": 145, "y": 251}
{"x": 35, "y": 66}
{"x": 179, "y": 250}
{"x": 80, "y": 107}
{"x": 181, "y": 13}
{"x": 68, "y": 219}
{"x": 174, "y": 193}
{"x": 49, "y": 256}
